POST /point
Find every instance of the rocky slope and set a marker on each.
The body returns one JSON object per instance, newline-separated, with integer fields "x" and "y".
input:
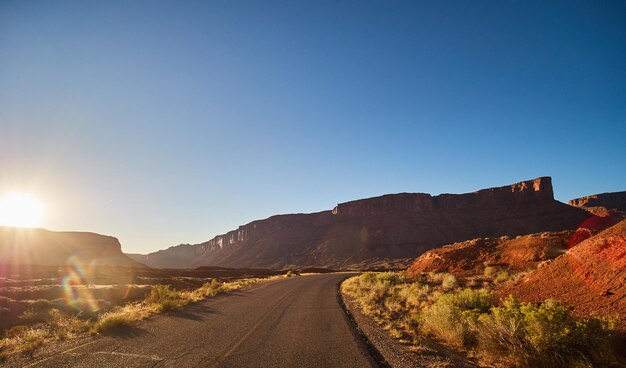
{"x": 512, "y": 253}
{"x": 590, "y": 277}
{"x": 19, "y": 246}
{"x": 378, "y": 230}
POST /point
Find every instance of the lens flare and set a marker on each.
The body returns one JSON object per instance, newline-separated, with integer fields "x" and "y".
{"x": 76, "y": 287}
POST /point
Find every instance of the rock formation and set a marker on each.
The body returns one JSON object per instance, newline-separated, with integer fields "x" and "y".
{"x": 363, "y": 233}
{"x": 615, "y": 200}
{"x": 470, "y": 257}
{"x": 589, "y": 277}
{"x": 20, "y": 246}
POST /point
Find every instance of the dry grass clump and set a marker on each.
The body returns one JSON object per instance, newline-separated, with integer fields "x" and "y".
{"x": 512, "y": 335}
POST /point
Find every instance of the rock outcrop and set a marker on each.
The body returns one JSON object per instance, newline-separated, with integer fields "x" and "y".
{"x": 615, "y": 200}
{"x": 362, "y": 233}
{"x": 589, "y": 277}
{"x": 20, "y": 246}
{"x": 470, "y": 257}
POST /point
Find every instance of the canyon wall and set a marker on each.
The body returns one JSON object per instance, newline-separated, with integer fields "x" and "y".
{"x": 373, "y": 231}
{"x": 614, "y": 200}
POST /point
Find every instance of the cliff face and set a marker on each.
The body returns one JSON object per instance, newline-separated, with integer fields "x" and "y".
{"x": 524, "y": 192}
{"x": 20, "y": 246}
{"x": 615, "y": 200}
{"x": 392, "y": 227}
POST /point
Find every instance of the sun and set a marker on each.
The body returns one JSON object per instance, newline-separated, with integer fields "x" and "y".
{"x": 20, "y": 210}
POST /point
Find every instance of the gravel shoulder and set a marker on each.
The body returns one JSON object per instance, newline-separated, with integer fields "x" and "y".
{"x": 395, "y": 354}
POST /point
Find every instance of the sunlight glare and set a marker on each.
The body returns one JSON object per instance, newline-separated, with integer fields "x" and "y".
{"x": 20, "y": 210}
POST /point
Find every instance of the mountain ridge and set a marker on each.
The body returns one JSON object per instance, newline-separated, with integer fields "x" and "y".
{"x": 372, "y": 231}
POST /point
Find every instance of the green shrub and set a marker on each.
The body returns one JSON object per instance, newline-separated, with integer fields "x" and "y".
{"x": 544, "y": 335}
{"x": 453, "y": 316}
{"x": 165, "y": 298}
{"x": 446, "y": 321}
{"x": 501, "y": 277}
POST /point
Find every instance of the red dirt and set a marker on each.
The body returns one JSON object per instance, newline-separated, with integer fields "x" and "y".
{"x": 470, "y": 257}
{"x": 591, "y": 277}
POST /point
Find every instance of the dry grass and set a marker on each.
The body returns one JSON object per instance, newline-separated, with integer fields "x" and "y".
{"x": 43, "y": 322}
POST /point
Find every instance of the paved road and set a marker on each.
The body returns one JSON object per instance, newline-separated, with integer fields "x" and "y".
{"x": 295, "y": 322}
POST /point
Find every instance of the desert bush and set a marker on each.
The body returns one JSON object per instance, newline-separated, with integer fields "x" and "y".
{"x": 210, "y": 288}
{"x": 165, "y": 298}
{"x": 112, "y": 321}
{"x": 449, "y": 282}
{"x": 41, "y": 305}
{"x": 453, "y": 316}
{"x": 413, "y": 294}
{"x": 22, "y": 340}
{"x": 544, "y": 335}
{"x": 445, "y": 321}
{"x": 32, "y": 316}
{"x": 389, "y": 278}
{"x": 490, "y": 271}
{"x": 291, "y": 273}
{"x": 446, "y": 280}
{"x": 501, "y": 277}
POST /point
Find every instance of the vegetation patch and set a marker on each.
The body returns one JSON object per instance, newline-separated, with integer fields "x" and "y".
{"x": 464, "y": 315}
{"x": 45, "y": 321}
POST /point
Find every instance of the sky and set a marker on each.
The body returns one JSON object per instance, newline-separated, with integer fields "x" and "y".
{"x": 171, "y": 122}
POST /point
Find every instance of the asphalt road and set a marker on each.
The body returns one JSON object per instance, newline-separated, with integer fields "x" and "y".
{"x": 295, "y": 322}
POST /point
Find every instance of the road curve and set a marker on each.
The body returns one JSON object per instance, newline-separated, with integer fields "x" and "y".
{"x": 294, "y": 322}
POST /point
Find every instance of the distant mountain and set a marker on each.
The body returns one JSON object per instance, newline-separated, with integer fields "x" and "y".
{"x": 611, "y": 201}
{"x": 20, "y": 246}
{"x": 380, "y": 230}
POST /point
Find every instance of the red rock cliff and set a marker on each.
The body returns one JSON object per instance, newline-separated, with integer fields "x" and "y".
{"x": 529, "y": 191}
{"x": 390, "y": 227}
{"x": 615, "y": 200}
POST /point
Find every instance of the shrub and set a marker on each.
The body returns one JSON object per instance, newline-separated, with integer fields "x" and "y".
{"x": 391, "y": 278}
{"x": 454, "y": 315}
{"x": 210, "y": 288}
{"x": 490, "y": 271}
{"x": 444, "y": 320}
{"x": 448, "y": 282}
{"x": 501, "y": 277}
{"x": 31, "y": 316}
{"x": 165, "y": 298}
{"x": 545, "y": 334}
{"x": 111, "y": 321}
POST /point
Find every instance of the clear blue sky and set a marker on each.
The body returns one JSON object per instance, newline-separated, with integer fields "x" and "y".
{"x": 171, "y": 122}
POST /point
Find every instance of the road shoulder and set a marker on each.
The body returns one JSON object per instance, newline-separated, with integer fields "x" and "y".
{"x": 393, "y": 353}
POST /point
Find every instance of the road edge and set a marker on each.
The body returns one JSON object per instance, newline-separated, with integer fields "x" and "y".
{"x": 376, "y": 356}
